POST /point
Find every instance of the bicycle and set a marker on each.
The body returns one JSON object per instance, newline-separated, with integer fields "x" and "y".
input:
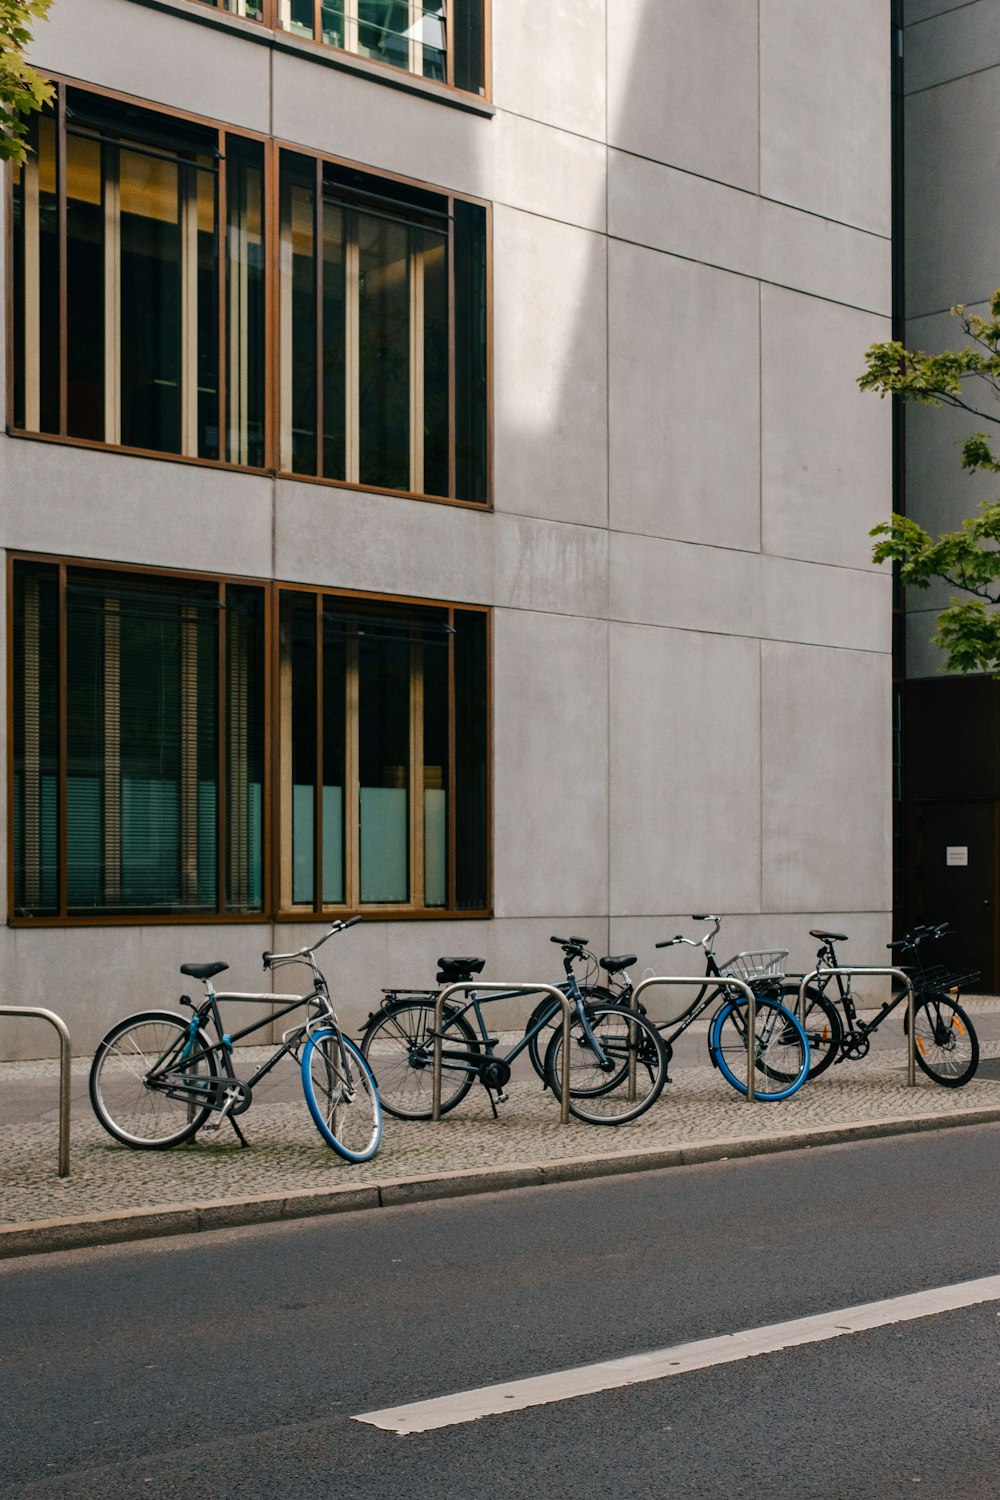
{"x": 947, "y": 1048}
{"x": 157, "y": 1076}
{"x": 398, "y": 1043}
{"x": 781, "y": 1050}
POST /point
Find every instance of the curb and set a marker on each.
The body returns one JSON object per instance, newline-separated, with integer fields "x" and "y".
{"x": 49, "y": 1235}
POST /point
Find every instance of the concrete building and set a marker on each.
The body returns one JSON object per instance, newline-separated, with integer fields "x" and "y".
{"x": 435, "y": 484}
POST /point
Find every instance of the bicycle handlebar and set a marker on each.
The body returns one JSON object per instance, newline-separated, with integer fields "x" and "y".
{"x": 268, "y": 958}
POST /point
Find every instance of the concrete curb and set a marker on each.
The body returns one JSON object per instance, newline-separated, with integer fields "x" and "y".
{"x": 48, "y": 1235}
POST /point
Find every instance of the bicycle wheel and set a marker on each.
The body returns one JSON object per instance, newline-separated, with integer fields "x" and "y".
{"x": 341, "y": 1094}
{"x": 599, "y": 1087}
{"x": 151, "y": 1115}
{"x": 947, "y": 1048}
{"x": 593, "y": 994}
{"x": 781, "y": 1051}
{"x": 821, "y": 1022}
{"x": 399, "y": 1048}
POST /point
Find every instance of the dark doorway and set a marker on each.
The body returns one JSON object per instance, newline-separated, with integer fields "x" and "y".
{"x": 956, "y": 881}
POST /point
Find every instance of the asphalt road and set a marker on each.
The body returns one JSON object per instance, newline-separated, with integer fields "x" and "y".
{"x": 233, "y": 1363}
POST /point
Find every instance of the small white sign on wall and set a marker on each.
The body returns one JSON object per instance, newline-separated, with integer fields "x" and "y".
{"x": 957, "y": 854}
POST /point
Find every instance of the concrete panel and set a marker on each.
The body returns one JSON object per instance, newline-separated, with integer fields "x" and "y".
{"x": 154, "y": 55}
{"x": 950, "y": 45}
{"x": 705, "y": 221}
{"x": 86, "y": 503}
{"x": 684, "y": 451}
{"x": 943, "y": 178}
{"x": 547, "y": 566}
{"x": 826, "y": 807}
{"x": 551, "y": 369}
{"x": 826, "y": 458}
{"x": 549, "y": 62}
{"x": 550, "y": 776}
{"x": 507, "y": 159}
{"x": 683, "y": 86}
{"x": 825, "y": 78}
{"x": 737, "y": 593}
{"x": 685, "y": 786}
{"x": 915, "y": 11}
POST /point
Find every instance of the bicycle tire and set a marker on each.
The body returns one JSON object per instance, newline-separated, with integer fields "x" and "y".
{"x": 781, "y": 1053}
{"x": 400, "y": 1052}
{"x": 823, "y": 1026}
{"x": 947, "y": 1048}
{"x": 598, "y": 1091}
{"x": 594, "y": 994}
{"x": 126, "y": 1106}
{"x": 341, "y": 1094}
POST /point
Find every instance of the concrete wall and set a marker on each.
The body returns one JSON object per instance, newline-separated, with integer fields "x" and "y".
{"x": 690, "y": 255}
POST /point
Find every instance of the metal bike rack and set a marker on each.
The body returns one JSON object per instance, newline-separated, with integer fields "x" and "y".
{"x": 64, "y": 1061}
{"x": 882, "y": 973}
{"x": 703, "y": 981}
{"x": 465, "y": 985}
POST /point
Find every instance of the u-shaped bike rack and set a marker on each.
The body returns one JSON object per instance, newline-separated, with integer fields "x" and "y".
{"x": 465, "y": 985}
{"x": 704, "y": 981}
{"x": 64, "y": 1062}
{"x": 882, "y": 973}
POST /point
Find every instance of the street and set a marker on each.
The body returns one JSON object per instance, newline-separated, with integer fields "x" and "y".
{"x": 236, "y": 1362}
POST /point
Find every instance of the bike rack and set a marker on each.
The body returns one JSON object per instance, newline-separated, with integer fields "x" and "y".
{"x": 883, "y": 973}
{"x": 704, "y": 981}
{"x": 465, "y": 985}
{"x": 64, "y": 1062}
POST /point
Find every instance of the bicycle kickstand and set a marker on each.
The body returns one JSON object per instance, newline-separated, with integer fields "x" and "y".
{"x": 244, "y": 1143}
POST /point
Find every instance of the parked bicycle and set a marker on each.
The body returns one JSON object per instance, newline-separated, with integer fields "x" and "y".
{"x": 158, "y": 1078}
{"x": 780, "y": 1047}
{"x": 605, "y": 1042}
{"x": 946, "y": 1045}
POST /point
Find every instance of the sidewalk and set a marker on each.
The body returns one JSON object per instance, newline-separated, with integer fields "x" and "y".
{"x": 113, "y": 1193}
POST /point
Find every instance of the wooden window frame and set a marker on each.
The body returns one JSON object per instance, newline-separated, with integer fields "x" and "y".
{"x": 272, "y": 298}
{"x": 273, "y": 830}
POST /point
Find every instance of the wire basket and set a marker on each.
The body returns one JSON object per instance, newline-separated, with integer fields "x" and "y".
{"x": 762, "y": 964}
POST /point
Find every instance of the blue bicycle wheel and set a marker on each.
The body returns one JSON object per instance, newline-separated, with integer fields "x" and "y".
{"x": 341, "y": 1094}
{"x": 781, "y": 1048}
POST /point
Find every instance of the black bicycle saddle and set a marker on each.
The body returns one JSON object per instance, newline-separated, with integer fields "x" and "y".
{"x": 615, "y": 965}
{"x": 833, "y": 937}
{"x": 454, "y": 970}
{"x": 203, "y": 971}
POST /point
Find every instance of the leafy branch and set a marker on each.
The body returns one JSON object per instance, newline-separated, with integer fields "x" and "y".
{"x": 23, "y": 90}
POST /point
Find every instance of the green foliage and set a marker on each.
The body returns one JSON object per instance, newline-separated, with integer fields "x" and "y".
{"x": 968, "y": 559}
{"x": 22, "y": 89}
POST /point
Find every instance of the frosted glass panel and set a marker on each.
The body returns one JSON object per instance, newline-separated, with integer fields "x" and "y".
{"x": 303, "y": 830}
{"x": 435, "y": 846}
{"x": 333, "y": 843}
{"x": 383, "y": 844}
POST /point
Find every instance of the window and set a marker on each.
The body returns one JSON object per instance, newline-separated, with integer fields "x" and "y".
{"x": 141, "y": 763}
{"x": 383, "y": 332}
{"x": 139, "y": 283}
{"x": 440, "y": 39}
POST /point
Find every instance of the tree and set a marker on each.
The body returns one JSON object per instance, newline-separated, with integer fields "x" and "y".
{"x": 22, "y": 89}
{"x": 968, "y": 559}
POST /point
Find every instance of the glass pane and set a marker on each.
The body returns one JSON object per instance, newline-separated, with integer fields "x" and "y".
{"x": 431, "y": 32}
{"x": 297, "y": 16}
{"x": 202, "y": 364}
{"x": 382, "y": 31}
{"x": 434, "y": 653}
{"x": 334, "y": 335}
{"x": 384, "y": 764}
{"x": 84, "y": 289}
{"x": 298, "y": 745}
{"x": 434, "y": 259}
{"x": 151, "y": 290}
{"x": 384, "y": 337}
{"x": 245, "y": 293}
{"x": 468, "y": 39}
{"x": 471, "y": 454}
{"x": 298, "y": 320}
{"x": 244, "y": 623}
{"x": 34, "y": 812}
{"x": 36, "y": 283}
{"x": 471, "y": 786}
{"x": 334, "y": 742}
{"x": 333, "y": 22}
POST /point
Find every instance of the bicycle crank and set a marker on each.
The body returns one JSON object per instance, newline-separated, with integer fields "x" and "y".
{"x": 855, "y": 1046}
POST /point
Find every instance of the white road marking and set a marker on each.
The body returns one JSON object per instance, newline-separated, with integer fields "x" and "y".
{"x": 586, "y": 1380}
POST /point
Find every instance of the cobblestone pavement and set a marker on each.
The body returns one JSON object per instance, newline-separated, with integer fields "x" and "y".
{"x": 288, "y": 1156}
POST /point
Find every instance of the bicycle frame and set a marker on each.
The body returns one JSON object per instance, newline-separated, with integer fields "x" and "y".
{"x": 506, "y": 992}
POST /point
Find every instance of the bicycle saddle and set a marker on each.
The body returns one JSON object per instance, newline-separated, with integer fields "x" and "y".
{"x": 203, "y": 971}
{"x": 452, "y": 970}
{"x": 615, "y": 965}
{"x": 834, "y": 937}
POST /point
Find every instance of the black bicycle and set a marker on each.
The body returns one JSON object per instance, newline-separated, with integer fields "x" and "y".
{"x": 947, "y": 1048}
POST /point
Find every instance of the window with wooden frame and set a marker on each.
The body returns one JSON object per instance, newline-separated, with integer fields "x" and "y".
{"x": 440, "y": 39}
{"x": 144, "y": 781}
{"x": 382, "y": 332}
{"x": 382, "y": 756}
{"x": 139, "y": 296}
